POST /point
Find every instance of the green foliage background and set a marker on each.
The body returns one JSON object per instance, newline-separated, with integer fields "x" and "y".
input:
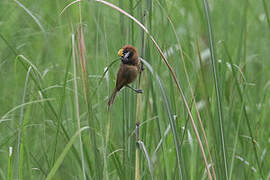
{"x": 39, "y": 111}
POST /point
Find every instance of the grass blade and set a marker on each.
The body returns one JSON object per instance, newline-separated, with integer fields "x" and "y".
{"x": 77, "y": 105}
{"x": 217, "y": 86}
{"x": 9, "y": 175}
{"x": 21, "y": 129}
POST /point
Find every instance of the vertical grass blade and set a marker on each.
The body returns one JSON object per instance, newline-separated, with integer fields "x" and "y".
{"x": 217, "y": 86}
{"x": 9, "y": 174}
{"x": 77, "y": 105}
{"x": 21, "y": 128}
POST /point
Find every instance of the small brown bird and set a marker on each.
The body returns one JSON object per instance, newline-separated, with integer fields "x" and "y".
{"x": 128, "y": 71}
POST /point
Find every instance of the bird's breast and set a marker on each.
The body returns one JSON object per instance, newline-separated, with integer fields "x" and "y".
{"x": 130, "y": 73}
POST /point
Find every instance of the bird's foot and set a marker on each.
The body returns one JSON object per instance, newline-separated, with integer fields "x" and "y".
{"x": 139, "y": 91}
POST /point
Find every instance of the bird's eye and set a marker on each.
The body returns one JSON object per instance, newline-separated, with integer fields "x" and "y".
{"x": 125, "y": 51}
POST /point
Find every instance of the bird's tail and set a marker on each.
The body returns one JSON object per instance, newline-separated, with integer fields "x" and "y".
{"x": 112, "y": 97}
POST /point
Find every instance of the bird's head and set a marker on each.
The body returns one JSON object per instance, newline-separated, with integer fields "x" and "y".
{"x": 128, "y": 55}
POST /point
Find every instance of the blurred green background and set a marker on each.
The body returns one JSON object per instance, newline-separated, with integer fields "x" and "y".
{"x": 44, "y": 102}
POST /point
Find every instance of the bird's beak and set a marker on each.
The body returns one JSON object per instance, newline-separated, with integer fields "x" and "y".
{"x": 120, "y": 52}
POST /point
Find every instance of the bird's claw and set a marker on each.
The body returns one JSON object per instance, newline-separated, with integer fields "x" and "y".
{"x": 142, "y": 66}
{"x": 139, "y": 91}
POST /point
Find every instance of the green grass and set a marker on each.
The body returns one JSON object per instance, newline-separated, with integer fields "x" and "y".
{"x": 204, "y": 113}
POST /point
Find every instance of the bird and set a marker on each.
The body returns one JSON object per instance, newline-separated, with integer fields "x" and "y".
{"x": 128, "y": 70}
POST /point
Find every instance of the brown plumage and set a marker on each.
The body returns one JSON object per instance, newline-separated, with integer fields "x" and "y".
{"x": 128, "y": 71}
